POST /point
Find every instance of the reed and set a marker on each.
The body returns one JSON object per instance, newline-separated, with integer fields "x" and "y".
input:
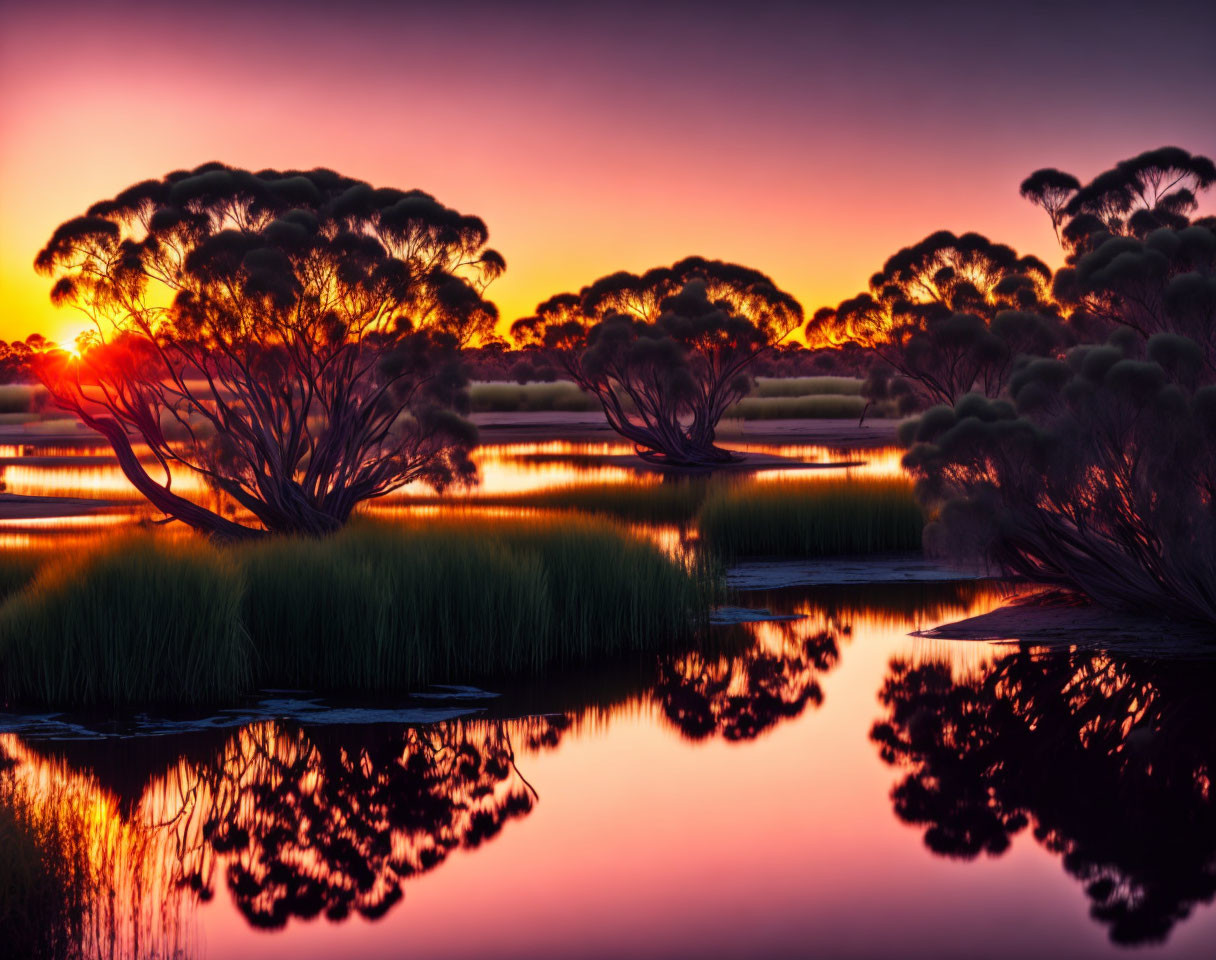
{"x": 388, "y": 608}
{"x": 501, "y": 397}
{"x": 675, "y": 501}
{"x": 806, "y": 386}
{"x": 373, "y": 608}
{"x": 807, "y": 518}
{"x": 44, "y": 875}
{"x": 135, "y": 621}
{"x": 814, "y": 407}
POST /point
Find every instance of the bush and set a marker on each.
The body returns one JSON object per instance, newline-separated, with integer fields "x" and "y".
{"x": 817, "y": 517}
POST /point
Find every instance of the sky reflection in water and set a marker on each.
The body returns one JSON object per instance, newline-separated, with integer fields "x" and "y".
{"x": 827, "y": 786}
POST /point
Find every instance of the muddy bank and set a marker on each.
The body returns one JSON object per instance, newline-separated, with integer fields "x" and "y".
{"x": 15, "y": 507}
{"x": 1043, "y": 621}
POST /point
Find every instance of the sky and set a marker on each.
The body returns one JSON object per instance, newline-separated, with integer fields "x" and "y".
{"x": 807, "y": 141}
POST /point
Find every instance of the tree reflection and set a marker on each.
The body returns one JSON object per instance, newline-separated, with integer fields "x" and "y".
{"x": 307, "y": 823}
{"x": 1111, "y": 762}
{"x": 739, "y": 697}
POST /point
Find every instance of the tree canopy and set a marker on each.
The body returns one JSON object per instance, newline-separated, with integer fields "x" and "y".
{"x": 286, "y": 336}
{"x": 666, "y": 352}
{"x": 948, "y": 315}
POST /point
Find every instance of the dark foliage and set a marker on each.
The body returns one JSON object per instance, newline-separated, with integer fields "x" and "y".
{"x": 667, "y": 352}
{"x": 945, "y": 317}
{"x": 297, "y": 327}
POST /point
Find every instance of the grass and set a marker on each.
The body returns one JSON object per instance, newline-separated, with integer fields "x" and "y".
{"x": 19, "y": 397}
{"x": 133, "y": 621}
{"x": 773, "y": 398}
{"x": 44, "y": 875}
{"x": 808, "y": 518}
{"x": 675, "y": 501}
{"x": 806, "y": 386}
{"x": 502, "y": 397}
{"x": 374, "y": 608}
{"x": 812, "y": 407}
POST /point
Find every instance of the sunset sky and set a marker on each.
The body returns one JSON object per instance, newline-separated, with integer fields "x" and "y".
{"x": 809, "y": 143}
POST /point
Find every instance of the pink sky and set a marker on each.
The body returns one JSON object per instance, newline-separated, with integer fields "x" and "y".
{"x": 807, "y": 144}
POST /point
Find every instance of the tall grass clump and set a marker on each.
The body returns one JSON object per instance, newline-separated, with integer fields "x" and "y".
{"x": 806, "y": 386}
{"x": 501, "y": 397}
{"x": 810, "y": 518}
{"x": 44, "y": 875}
{"x": 675, "y": 501}
{"x": 19, "y": 397}
{"x": 381, "y": 607}
{"x": 136, "y": 621}
{"x": 815, "y": 407}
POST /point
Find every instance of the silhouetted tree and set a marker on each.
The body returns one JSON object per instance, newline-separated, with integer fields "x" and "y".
{"x": 665, "y": 352}
{"x": 1110, "y": 762}
{"x": 948, "y": 316}
{"x": 1099, "y": 475}
{"x": 1154, "y": 189}
{"x": 295, "y": 327}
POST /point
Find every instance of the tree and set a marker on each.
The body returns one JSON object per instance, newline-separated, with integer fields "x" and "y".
{"x": 293, "y": 332}
{"x": 1154, "y": 189}
{"x": 666, "y": 352}
{"x": 1098, "y": 474}
{"x": 949, "y": 315}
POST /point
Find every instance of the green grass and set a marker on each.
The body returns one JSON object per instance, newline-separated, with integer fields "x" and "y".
{"x": 133, "y": 621}
{"x": 814, "y": 407}
{"x": 502, "y": 397}
{"x": 809, "y": 518}
{"x": 675, "y": 501}
{"x": 385, "y": 608}
{"x": 374, "y": 608}
{"x": 806, "y": 386}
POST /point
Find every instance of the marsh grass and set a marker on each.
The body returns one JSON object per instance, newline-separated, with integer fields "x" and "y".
{"x": 501, "y": 397}
{"x": 676, "y": 501}
{"x": 807, "y": 518}
{"x": 814, "y": 407}
{"x": 384, "y": 608}
{"x": 374, "y": 608}
{"x": 806, "y": 386}
{"x": 20, "y": 397}
{"x": 44, "y": 875}
{"x": 134, "y": 621}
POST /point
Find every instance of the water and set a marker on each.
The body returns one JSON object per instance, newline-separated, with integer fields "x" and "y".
{"x": 825, "y": 786}
{"x": 829, "y": 786}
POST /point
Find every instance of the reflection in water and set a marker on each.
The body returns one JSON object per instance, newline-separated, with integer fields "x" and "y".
{"x": 739, "y": 697}
{"x": 1110, "y": 762}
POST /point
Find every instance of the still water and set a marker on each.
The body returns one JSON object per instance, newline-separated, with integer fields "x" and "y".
{"x": 826, "y": 786}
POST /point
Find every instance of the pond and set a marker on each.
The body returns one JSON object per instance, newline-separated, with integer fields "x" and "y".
{"x": 827, "y": 785}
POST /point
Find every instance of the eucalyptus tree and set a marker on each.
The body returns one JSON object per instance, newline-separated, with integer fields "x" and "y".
{"x": 285, "y": 338}
{"x": 947, "y": 316}
{"x": 665, "y": 352}
{"x": 1154, "y": 189}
